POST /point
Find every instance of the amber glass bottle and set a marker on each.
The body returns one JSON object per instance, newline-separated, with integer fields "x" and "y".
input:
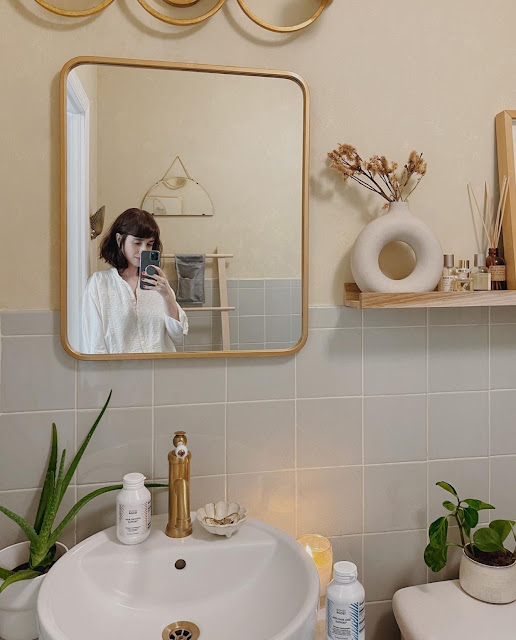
{"x": 496, "y": 266}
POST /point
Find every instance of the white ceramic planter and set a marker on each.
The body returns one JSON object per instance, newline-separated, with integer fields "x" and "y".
{"x": 397, "y": 224}
{"x": 18, "y": 620}
{"x": 489, "y": 584}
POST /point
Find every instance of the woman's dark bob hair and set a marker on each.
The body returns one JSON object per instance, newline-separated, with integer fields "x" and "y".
{"x": 132, "y": 222}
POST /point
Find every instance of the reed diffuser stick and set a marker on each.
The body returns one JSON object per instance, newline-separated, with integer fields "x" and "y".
{"x": 478, "y": 211}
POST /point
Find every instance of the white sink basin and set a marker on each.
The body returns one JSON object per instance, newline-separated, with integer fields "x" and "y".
{"x": 260, "y": 584}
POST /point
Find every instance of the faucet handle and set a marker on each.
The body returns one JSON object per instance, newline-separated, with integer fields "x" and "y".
{"x": 180, "y": 442}
{"x": 180, "y": 437}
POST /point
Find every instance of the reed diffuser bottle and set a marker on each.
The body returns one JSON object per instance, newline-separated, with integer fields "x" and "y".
{"x": 496, "y": 265}
{"x": 492, "y": 223}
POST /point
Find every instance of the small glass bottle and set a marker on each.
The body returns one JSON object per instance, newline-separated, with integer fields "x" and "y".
{"x": 480, "y": 274}
{"x": 133, "y": 507}
{"x": 449, "y": 273}
{"x": 345, "y": 604}
{"x": 464, "y": 280}
{"x": 496, "y": 266}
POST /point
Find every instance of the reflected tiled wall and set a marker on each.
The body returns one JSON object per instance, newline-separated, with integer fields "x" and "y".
{"x": 346, "y": 439}
{"x": 267, "y": 315}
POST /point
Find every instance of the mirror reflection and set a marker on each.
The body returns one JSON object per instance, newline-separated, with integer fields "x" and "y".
{"x": 184, "y": 210}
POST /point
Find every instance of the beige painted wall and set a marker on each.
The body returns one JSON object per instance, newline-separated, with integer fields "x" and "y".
{"x": 240, "y": 137}
{"x": 387, "y": 77}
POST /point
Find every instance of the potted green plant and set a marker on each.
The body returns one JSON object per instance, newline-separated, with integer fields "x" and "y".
{"x": 23, "y": 566}
{"x": 487, "y": 569}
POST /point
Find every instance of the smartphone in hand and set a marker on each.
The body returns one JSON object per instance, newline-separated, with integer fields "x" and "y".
{"x": 148, "y": 260}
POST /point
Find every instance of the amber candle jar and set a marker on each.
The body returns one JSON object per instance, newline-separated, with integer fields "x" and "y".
{"x": 496, "y": 266}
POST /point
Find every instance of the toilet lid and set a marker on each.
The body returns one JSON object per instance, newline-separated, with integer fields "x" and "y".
{"x": 443, "y": 611}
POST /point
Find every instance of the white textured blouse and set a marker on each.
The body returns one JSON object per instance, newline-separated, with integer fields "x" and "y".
{"x": 114, "y": 320}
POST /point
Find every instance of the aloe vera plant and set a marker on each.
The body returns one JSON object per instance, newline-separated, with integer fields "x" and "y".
{"x": 482, "y": 545}
{"x": 42, "y": 535}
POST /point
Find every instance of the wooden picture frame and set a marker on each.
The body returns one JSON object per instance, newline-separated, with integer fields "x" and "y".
{"x": 505, "y": 123}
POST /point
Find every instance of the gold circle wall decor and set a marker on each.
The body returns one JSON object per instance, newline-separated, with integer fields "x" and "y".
{"x": 77, "y": 13}
{"x": 181, "y": 22}
{"x": 277, "y": 29}
{"x": 186, "y": 22}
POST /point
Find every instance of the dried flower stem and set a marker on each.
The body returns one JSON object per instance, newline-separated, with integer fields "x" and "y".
{"x": 389, "y": 186}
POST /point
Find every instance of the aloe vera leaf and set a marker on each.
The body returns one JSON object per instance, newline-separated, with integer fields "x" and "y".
{"x": 73, "y": 466}
{"x": 26, "y": 574}
{"x": 74, "y": 510}
{"x": 27, "y": 529}
{"x": 51, "y": 511}
{"x": 48, "y": 486}
{"x": 5, "y": 573}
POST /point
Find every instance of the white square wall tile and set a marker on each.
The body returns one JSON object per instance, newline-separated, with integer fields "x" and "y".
{"x": 458, "y": 425}
{"x": 458, "y": 358}
{"x": 36, "y": 375}
{"x": 121, "y": 444}
{"x": 261, "y": 378}
{"x": 394, "y": 317}
{"x": 503, "y": 315}
{"x": 334, "y": 318}
{"x": 503, "y": 495}
{"x": 329, "y": 501}
{"x": 330, "y": 364}
{"x": 131, "y": 382}
{"x": 267, "y": 496}
{"x": 392, "y": 561}
{"x": 329, "y": 432}
{"x": 395, "y": 428}
{"x": 189, "y": 381}
{"x": 470, "y": 478}
{"x": 348, "y": 548}
{"x": 395, "y": 497}
{"x": 381, "y": 623}
{"x": 503, "y": 356}
{"x": 260, "y": 436}
{"x": 458, "y": 315}
{"x": 29, "y": 323}
{"x": 25, "y": 440}
{"x": 503, "y": 431}
{"x": 394, "y": 361}
{"x": 205, "y": 429}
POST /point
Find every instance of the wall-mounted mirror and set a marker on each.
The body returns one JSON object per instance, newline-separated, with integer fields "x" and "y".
{"x": 206, "y": 170}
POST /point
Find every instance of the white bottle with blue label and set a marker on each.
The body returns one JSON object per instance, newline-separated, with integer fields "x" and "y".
{"x": 133, "y": 506}
{"x": 345, "y": 604}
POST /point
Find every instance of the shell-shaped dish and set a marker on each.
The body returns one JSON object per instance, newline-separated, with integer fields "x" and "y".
{"x": 222, "y": 518}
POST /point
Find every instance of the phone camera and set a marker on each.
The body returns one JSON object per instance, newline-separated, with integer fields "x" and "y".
{"x": 154, "y": 255}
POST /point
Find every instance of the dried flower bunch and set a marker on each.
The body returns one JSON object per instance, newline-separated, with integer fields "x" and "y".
{"x": 378, "y": 174}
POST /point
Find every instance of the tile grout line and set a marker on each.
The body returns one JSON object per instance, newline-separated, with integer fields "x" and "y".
{"x": 226, "y": 432}
{"x": 363, "y": 437}
{"x": 76, "y": 427}
{"x": 427, "y": 425}
{"x": 489, "y": 410}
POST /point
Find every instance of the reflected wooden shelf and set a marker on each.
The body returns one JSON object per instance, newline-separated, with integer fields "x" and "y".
{"x": 353, "y": 297}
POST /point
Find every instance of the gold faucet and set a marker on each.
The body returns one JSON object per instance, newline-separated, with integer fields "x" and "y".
{"x": 179, "y": 521}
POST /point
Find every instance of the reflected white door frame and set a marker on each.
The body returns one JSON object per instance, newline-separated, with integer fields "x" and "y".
{"x": 78, "y": 236}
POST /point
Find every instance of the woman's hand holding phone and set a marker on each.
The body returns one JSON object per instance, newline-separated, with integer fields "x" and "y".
{"x": 157, "y": 280}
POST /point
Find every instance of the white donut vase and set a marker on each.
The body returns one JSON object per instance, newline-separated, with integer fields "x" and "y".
{"x": 397, "y": 224}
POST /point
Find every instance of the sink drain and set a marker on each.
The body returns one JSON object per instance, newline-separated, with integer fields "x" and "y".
{"x": 181, "y": 631}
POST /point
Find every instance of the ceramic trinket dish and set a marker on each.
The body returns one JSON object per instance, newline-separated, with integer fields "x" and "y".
{"x": 222, "y": 518}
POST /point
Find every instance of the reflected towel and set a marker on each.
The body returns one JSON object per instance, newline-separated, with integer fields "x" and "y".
{"x": 190, "y": 278}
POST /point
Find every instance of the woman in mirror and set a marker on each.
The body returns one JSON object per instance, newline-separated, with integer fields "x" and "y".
{"x": 124, "y": 311}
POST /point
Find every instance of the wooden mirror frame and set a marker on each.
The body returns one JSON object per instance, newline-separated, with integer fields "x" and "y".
{"x": 152, "y": 64}
{"x": 507, "y": 167}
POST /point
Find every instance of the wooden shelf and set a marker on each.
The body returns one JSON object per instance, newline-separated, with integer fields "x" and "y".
{"x": 353, "y": 297}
